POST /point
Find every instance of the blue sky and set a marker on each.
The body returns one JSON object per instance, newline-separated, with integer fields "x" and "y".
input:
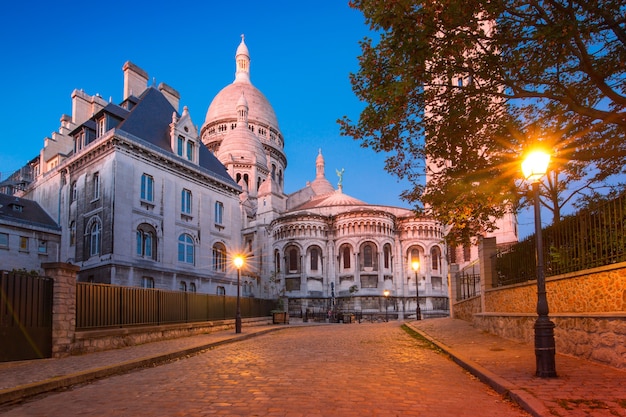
{"x": 301, "y": 56}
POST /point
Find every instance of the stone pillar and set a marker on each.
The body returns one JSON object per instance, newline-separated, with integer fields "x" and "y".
{"x": 63, "y": 306}
{"x": 453, "y": 270}
{"x": 486, "y": 255}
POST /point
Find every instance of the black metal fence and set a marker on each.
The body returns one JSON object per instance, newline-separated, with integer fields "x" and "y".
{"x": 590, "y": 238}
{"x": 105, "y": 306}
{"x": 467, "y": 285}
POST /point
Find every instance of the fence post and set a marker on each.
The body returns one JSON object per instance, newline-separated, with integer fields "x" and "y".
{"x": 63, "y": 305}
{"x": 486, "y": 255}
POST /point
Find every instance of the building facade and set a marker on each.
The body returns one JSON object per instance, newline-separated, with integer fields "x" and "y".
{"x": 144, "y": 199}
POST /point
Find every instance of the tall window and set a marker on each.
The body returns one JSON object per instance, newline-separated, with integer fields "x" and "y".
{"x": 23, "y": 244}
{"x": 276, "y": 261}
{"x": 292, "y": 258}
{"x": 180, "y": 146}
{"x": 185, "y": 201}
{"x": 387, "y": 256}
{"x": 73, "y": 192}
{"x": 314, "y": 258}
{"x": 219, "y": 212}
{"x": 101, "y": 127}
{"x": 147, "y": 187}
{"x": 182, "y": 286}
{"x": 435, "y": 256}
{"x": 42, "y": 248}
{"x": 185, "y": 249}
{"x": 367, "y": 256}
{"x": 190, "y": 150}
{"x": 415, "y": 256}
{"x": 4, "y": 240}
{"x": 95, "y": 239}
{"x": 96, "y": 186}
{"x": 72, "y": 233}
{"x": 219, "y": 257}
{"x": 146, "y": 241}
{"x": 345, "y": 256}
{"x": 192, "y": 287}
{"x": 467, "y": 253}
{"x": 147, "y": 282}
{"x": 221, "y": 290}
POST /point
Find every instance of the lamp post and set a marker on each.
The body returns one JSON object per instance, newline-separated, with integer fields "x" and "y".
{"x": 386, "y": 294}
{"x": 534, "y": 168}
{"x": 416, "y": 267}
{"x": 238, "y": 261}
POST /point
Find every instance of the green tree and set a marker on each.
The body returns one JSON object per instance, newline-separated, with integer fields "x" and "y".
{"x": 469, "y": 84}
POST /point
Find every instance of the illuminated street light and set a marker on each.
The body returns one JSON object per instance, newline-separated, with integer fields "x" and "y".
{"x": 386, "y": 294}
{"x": 238, "y": 261}
{"x": 416, "y": 267}
{"x": 534, "y": 167}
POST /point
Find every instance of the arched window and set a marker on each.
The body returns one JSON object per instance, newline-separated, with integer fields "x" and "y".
{"x": 74, "y": 192}
{"x": 292, "y": 254}
{"x": 367, "y": 256}
{"x": 346, "y": 254}
{"x": 182, "y": 286}
{"x": 314, "y": 253}
{"x": 219, "y": 257}
{"x": 192, "y": 287}
{"x": 387, "y": 256}
{"x": 276, "y": 261}
{"x": 146, "y": 241}
{"x": 95, "y": 238}
{"x": 435, "y": 256}
{"x": 72, "y": 233}
{"x": 185, "y": 249}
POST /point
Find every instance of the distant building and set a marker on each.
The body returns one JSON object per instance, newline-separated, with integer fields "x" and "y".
{"x": 145, "y": 200}
{"x": 28, "y": 235}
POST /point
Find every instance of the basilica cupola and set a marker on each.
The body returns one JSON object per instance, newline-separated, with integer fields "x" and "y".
{"x": 242, "y": 59}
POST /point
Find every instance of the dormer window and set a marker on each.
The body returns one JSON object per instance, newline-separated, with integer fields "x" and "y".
{"x": 17, "y": 207}
{"x": 186, "y": 148}
{"x": 101, "y": 127}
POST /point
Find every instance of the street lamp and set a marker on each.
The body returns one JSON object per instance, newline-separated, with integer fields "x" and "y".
{"x": 238, "y": 261}
{"x": 386, "y": 294}
{"x": 534, "y": 167}
{"x": 416, "y": 267}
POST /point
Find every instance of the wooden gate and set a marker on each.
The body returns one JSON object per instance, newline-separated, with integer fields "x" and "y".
{"x": 25, "y": 316}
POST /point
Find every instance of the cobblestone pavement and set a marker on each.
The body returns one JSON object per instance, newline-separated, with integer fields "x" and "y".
{"x": 335, "y": 370}
{"x": 582, "y": 388}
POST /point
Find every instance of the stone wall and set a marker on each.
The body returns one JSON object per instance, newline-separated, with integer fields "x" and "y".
{"x": 588, "y": 309}
{"x": 466, "y": 309}
{"x": 598, "y": 290}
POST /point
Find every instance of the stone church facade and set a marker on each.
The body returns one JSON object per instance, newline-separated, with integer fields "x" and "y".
{"x": 144, "y": 199}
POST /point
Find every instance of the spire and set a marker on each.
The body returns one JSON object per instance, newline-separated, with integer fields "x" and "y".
{"x": 319, "y": 165}
{"x": 242, "y": 110}
{"x": 242, "y": 61}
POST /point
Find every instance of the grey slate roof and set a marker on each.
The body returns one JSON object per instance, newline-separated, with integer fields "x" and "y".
{"x": 150, "y": 120}
{"x": 25, "y": 211}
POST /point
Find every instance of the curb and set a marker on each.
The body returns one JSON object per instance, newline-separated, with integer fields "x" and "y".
{"x": 502, "y": 386}
{"x": 22, "y": 392}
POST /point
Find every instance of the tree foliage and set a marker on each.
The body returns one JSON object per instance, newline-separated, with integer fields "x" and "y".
{"x": 468, "y": 85}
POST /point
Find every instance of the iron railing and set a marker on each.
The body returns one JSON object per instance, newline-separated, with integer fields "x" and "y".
{"x": 591, "y": 238}
{"x": 105, "y": 306}
{"x": 467, "y": 285}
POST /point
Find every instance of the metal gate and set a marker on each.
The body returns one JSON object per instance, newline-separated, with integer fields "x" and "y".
{"x": 25, "y": 316}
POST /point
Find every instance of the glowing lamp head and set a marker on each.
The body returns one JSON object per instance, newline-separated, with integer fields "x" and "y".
{"x": 535, "y": 165}
{"x": 415, "y": 265}
{"x": 386, "y": 293}
{"x": 238, "y": 261}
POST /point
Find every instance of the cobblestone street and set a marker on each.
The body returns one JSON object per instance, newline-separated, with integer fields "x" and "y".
{"x": 337, "y": 370}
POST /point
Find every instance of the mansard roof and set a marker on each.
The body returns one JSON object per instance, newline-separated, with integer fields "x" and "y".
{"x": 25, "y": 211}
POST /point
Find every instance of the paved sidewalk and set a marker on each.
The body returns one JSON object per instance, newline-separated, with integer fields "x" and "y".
{"x": 582, "y": 388}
